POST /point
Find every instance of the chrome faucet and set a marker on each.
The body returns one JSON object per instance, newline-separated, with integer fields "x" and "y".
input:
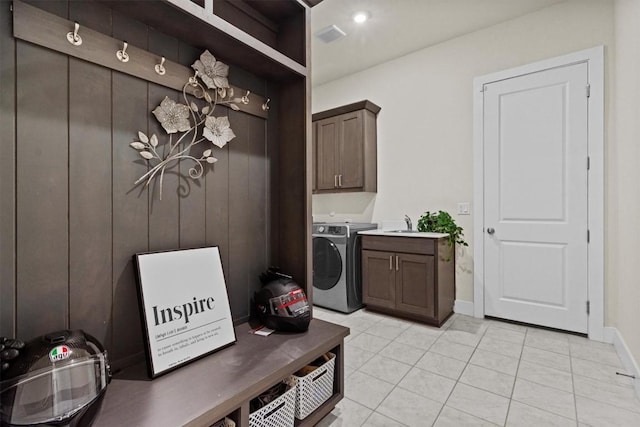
{"x": 408, "y": 221}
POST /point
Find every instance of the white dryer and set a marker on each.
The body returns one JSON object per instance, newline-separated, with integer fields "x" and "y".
{"x": 337, "y": 275}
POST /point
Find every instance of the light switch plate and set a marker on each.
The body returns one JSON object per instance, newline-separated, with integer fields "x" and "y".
{"x": 464, "y": 209}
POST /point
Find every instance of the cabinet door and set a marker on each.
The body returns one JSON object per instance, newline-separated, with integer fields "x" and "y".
{"x": 351, "y": 150}
{"x": 327, "y": 151}
{"x": 415, "y": 284}
{"x": 314, "y": 155}
{"x": 378, "y": 278}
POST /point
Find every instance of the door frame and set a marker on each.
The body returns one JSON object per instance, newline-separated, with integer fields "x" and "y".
{"x": 594, "y": 58}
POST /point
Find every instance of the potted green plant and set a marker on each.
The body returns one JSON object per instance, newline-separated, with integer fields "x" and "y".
{"x": 442, "y": 222}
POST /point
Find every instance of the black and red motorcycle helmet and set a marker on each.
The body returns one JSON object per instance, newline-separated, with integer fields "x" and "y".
{"x": 281, "y": 303}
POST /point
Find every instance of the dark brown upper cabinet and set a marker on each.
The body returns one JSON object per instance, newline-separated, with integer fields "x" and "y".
{"x": 344, "y": 144}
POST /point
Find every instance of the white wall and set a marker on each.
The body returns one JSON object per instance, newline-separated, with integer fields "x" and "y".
{"x": 425, "y": 139}
{"x": 623, "y": 243}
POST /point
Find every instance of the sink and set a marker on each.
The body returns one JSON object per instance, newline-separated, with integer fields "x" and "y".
{"x": 403, "y": 231}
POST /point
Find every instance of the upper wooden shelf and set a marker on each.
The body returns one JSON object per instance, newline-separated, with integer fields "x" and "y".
{"x": 39, "y": 27}
{"x": 206, "y": 390}
{"x": 266, "y": 38}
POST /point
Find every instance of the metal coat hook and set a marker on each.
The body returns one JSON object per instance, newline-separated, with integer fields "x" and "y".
{"x": 73, "y": 36}
{"x": 122, "y": 55}
{"x": 193, "y": 81}
{"x": 160, "y": 67}
{"x": 265, "y": 106}
{"x": 245, "y": 99}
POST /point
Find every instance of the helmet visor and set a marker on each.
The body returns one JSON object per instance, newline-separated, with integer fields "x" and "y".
{"x": 291, "y": 304}
{"x": 55, "y": 393}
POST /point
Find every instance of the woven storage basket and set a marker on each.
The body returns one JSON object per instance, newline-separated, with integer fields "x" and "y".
{"x": 314, "y": 388}
{"x": 279, "y": 413}
{"x": 226, "y": 422}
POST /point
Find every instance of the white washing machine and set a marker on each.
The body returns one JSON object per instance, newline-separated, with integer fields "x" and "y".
{"x": 337, "y": 275}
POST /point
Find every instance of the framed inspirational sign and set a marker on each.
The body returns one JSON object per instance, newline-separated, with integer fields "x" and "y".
{"x": 184, "y": 305}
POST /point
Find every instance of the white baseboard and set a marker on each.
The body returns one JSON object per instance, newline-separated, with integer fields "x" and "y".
{"x": 609, "y": 334}
{"x": 463, "y": 307}
{"x": 613, "y": 336}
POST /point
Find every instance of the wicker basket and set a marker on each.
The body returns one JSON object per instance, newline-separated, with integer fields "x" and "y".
{"x": 225, "y": 422}
{"x": 314, "y": 388}
{"x": 279, "y": 413}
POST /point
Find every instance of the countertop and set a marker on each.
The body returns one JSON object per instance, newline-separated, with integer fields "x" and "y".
{"x": 396, "y": 234}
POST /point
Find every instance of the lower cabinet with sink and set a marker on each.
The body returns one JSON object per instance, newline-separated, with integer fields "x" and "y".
{"x": 409, "y": 275}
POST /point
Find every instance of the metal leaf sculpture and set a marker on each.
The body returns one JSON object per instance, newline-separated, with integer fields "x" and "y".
{"x": 186, "y": 119}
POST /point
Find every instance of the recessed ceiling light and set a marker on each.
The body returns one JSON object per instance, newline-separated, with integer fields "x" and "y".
{"x": 361, "y": 17}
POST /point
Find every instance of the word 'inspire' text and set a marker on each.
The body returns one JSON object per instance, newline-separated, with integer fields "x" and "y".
{"x": 184, "y": 311}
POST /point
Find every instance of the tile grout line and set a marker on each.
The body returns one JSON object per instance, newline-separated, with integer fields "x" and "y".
{"x": 467, "y": 363}
{"x": 477, "y": 388}
{"x": 515, "y": 379}
{"x": 573, "y": 387}
{"x": 456, "y": 383}
{"x": 458, "y": 379}
{"x": 443, "y": 338}
{"x": 412, "y": 366}
{"x": 360, "y": 332}
{"x": 376, "y": 354}
{"x": 461, "y": 372}
{"x": 545, "y": 385}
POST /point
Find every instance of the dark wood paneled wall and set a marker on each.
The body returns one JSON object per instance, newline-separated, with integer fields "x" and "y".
{"x": 297, "y": 159}
{"x": 7, "y": 174}
{"x": 130, "y": 210}
{"x": 71, "y": 216}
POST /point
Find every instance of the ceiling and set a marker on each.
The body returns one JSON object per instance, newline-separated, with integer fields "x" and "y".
{"x": 399, "y": 27}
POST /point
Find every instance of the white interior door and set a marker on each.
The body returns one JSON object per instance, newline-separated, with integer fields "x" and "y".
{"x": 535, "y": 198}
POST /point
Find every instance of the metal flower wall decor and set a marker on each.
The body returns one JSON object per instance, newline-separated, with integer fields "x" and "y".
{"x": 187, "y": 125}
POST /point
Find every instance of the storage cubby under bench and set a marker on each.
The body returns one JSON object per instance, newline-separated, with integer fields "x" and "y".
{"x": 223, "y": 383}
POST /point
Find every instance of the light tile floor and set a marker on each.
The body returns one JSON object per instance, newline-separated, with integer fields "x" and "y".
{"x": 476, "y": 372}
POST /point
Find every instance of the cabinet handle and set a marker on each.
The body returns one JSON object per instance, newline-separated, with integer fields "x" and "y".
{"x": 335, "y": 181}
{"x": 390, "y": 262}
{"x": 396, "y": 262}
{"x": 339, "y": 180}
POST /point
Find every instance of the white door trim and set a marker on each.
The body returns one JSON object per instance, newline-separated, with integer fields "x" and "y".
{"x": 594, "y": 58}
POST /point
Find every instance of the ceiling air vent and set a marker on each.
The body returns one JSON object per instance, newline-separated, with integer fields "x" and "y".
{"x": 330, "y": 34}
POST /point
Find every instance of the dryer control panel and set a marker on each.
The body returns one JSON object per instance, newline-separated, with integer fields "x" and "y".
{"x": 335, "y": 230}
